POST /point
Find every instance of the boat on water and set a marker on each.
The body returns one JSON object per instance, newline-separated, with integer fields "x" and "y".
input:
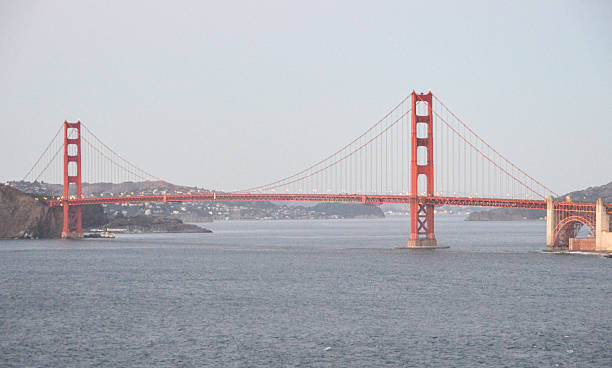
{"x": 106, "y": 234}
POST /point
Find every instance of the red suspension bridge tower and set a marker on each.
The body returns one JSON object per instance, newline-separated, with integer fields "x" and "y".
{"x": 73, "y": 225}
{"x": 422, "y": 163}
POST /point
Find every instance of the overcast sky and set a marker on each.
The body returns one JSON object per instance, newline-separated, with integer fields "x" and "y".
{"x": 231, "y": 94}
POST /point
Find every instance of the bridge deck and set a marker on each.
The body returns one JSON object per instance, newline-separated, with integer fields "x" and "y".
{"x": 346, "y": 198}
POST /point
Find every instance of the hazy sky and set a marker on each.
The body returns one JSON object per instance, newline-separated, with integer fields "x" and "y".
{"x": 231, "y": 94}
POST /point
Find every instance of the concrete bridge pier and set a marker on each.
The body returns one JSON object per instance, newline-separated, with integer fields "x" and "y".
{"x": 603, "y": 236}
{"x": 550, "y": 222}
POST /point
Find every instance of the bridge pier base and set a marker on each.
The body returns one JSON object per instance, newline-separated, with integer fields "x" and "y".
{"x": 603, "y": 236}
{"x": 73, "y": 223}
{"x": 550, "y": 222}
{"x": 72, "y": 235}
{"x": 422, "y": 244}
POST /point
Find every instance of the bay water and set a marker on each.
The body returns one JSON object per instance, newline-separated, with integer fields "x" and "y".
{"x": 309, "y": 293}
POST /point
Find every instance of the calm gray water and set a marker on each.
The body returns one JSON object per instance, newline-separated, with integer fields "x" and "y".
{"x": 329, "y": 293}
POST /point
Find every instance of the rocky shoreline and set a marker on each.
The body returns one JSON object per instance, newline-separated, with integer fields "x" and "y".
{"x": 27, "y": 216}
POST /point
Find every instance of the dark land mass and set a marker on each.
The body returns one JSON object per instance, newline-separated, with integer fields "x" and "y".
{"x": 23, "y": 216}
{"x": 349, "y": 210}
{"x": 590, "y": 194}
{"x": 151, "y": 224}
{"x": 506, "y": 214}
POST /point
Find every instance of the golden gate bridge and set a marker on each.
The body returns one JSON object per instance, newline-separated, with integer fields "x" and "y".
{"x": 420, "y": 153}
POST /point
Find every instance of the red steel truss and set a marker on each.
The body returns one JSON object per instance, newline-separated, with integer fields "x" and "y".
{"x": 347, "y": 198}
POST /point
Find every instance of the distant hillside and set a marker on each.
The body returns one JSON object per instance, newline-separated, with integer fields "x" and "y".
{"x": 506, "y": 214}
{"x": 349, "y": 210}
{"x": 591, "y": 194}
{"x": 148, "y": 187}
{"x": 197, "y": 211}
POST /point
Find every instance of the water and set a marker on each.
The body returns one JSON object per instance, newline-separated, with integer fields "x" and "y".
{"x": 329, "y": 293}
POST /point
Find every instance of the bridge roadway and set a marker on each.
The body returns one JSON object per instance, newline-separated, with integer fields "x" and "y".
{"x": 346, "y": 198}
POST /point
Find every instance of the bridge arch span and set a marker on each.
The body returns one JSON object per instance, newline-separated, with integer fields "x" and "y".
{"x": 569, "y": 228}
